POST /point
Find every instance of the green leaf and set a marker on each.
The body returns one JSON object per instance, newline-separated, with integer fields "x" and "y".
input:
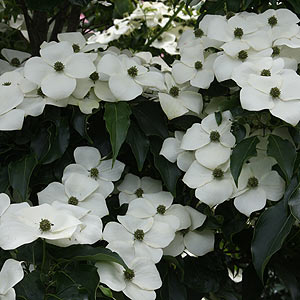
{"x": 168, "y": 171}
{"x": 294, "y": 203}
{"x": 122, "y": 7}
{"x": 218, "y": 117}
{"x": 80, "y": 2}
{"x": 20, "y": 173}
{"x": 85, "y": 252}
{"x": 233, "y": 5}
{"x": 117, "y": 121}
{"x": 79, "y": 122}
{"x": 30, "y": 287}
{"x": 44, "y": 5}
{"x": 284, "y": 152}
{"x": 139, "y": 144}
{"x": 241, "y": 152}
{"x": 272, "y": 228}
{"x": 4, "y": 180}
{"x": 151, "y": 119}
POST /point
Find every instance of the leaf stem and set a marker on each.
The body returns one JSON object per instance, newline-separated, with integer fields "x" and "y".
{"x": 163, "y": 29}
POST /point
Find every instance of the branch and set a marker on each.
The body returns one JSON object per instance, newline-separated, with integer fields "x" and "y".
{"x": 74, "y": 18}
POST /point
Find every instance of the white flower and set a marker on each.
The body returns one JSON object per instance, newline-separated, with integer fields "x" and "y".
{"x": 211, "y": 141}
{"x": 172, "y": 152}
{"x": 179, "y": 101}
{"x": 15, "y": 59}
{"x": 30, "y": 223}
{"x": 78, "y": 190}
{"x": 196, "y": 242}
{"x": 88, "y": 232}
{"x": 126, "y": 77}
{"x": 89, "y": 163}
{"x": 167, "y": 42}
{"x": 57, "y": 69}
{"x": 143, "y": 237}
{"x": 257, "y": 183}
{"x": 10, "y": 274}
{"x": 87, "y": 103}
{"x": 133, "y": 187}
{"x": 212, "y": 186}
{"x": 193, "y": 67}
{"x": 138, "y": 282}
{"x": 278, "y": 93}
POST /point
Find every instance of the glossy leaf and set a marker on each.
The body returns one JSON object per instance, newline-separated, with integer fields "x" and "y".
{"x": 272, "y": 228}
{"x": 139, "y": 144}
{"x": 169, "y": 172}
{"x": 284, "y": 152}
{"x": 117, "y": 121}
{"x": 20, "y": 173}
{"x": 241, "y": 152}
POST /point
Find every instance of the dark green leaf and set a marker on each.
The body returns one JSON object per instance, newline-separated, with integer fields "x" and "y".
{"x": 272, "y": 228}
{"x": 233, "y": 5}
{"x": 20, "y": 173}
{"x": 151, "y": 119}
{"x": 296, "y": 5}
{"x": 44, "y": 5}
{"x": 139, "y": 144}
{"x": 30, "y": 287}
{"x": 59, "y": 141}
{"x": 168, "y": 171}
{"x": 4, "y": 180}
{"x": 121, "y": 7}
{"x": 284, "y": 152}
{"x": 86, "y": 252}
{"x": 241, "y": 152}
{"x": 80, "y": 2}
{"x": 80, "y": 121}
{"x": 294, "y": 203}
{"x": 177, "y": 290}
{"x": 218, "y": 117}
{"x": 40, "y": 143}
{"x": 117, "y": 121}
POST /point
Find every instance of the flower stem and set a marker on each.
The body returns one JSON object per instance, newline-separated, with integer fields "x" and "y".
{"x": 167, "y": 24}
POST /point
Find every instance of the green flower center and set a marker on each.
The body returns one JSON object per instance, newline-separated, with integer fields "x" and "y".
{"x": 58, "y": 66}
{"x": 174, "y": 91}
{"x": 132, "y": 72}
{"x": 6, "y": 83}
{"x": 275, "y": 92}
{"x": 139, "y": 192}
{"x": 252, "y": 182}
{"x": 94, "y": 76}
{"x": 272, "y": 21}
{"x": 139, "y": 234}
{"x": 180, "y": 31}
{"x": 129, "y": 274}
{"x": 161, "y": 209}
{"x": 76, "y": 48}
{"x": 40, "y": 93}
{"x": 73, "y": 201}
{"x": 117, "y": 26}
{"x": 238, "y": 32}
{"x": 45, "y": 225}
{"x": 198, "y": 65}
{"x": 159, "y": 38}
{"x": 243, "y": 55}
{"x": 94, "y": 173}
{"x": 198, "y": 33}
{"x": 218, "y": 173}
{"x": 229, "y": 15}
{"x": 214, "y": 136}
{"x": 276, "y": 51}
{"x": 265, "y": 72}
{"x": 15, "y": 62}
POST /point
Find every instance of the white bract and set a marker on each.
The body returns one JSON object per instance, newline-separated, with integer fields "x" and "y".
{"x": 257, "y": 184}
{"x": 133, "y": 187}
{"x": 90, "y": 164}
{"x": 78, "y": 190}
{"x": 10, "y": 274}
{"x": 138, "y": 282}
{"x": 14, "y": 59}
{"x": 211, "y": 141}
{"x": 196, "y": 242}
{"x": 58, "y": 68}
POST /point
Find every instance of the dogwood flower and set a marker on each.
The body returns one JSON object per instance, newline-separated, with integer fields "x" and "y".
{"x": 172, "y": 152}
{"x": 257, "y": 183}
{"x": 137, "y": 282}
{"x": 10, "y": 274}
{"x": 133, "y": 187}
{"x": 212, "y": 186}
{"x": 14, "y": 59}
{"x": 196, "y": 242}
{"x": 211, "y": 141}
{"x": 57, "y": 69}
{"x": 30, "y": 223}
{"x": 179, "y": 100}
{"x": 89, "y": 163}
